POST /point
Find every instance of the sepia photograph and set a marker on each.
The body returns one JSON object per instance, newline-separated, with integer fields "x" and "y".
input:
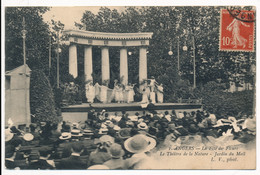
{"x": 129, "y": 88}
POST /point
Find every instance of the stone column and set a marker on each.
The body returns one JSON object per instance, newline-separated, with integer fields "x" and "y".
{"x": 73, "y": 63}
{"x": 88, "y": 67}
{"x": 105, "y": 64}
{"x": 142, "y": 64}
{"x": 123, "y": 66}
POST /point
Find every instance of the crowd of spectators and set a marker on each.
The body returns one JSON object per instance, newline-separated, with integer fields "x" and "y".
{"x": 119, "y": 141}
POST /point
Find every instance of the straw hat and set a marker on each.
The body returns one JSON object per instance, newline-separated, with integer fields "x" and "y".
{"x": 98, "y": 167}
{"x": 116, "y": 151}
{"x": 76, "y": 133}
{"x": 65, "y": 136}
{"x": 116, "y": 128}
{"x": 87, "y": 132}
{"x": 142, "y": 126}
{"x": 8, "y": 135}
{"x": 28, "y": 137}
{"x": 139, "y": 144}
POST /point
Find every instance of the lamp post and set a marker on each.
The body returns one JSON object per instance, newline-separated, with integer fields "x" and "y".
{"x": 58, "y": 60}
{"x": 24, "y": 37}
{"x": 49, "y": 55}
{"x": 178, "y": 52}
{"x": 194, "y": 63}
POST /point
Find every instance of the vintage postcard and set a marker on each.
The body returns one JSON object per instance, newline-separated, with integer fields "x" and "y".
{"x": 129, "y": 88}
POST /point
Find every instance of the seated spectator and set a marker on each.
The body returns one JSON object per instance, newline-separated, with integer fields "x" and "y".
{"x": 101, "y": 155}
{"x": 33, "y": 131}
{"x": 43, "y": 163}
{"x": 64, "y": 146}
{"x": 74, "y": 161}
{"x": 9, "y": 157}
{"x": 138, "y": 145}
{"x": 55, "y": 134}
{"x": 116, "y": 161}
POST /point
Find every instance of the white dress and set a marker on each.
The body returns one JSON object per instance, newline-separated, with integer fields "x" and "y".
{"x": 152, "y": 97}
{"x": 103, "y": 94}
{"x": 90, "y": 93}
{"x": 130, "y": 95}
{"x": 145, "y": 97}
{"x": 160, "y": 94}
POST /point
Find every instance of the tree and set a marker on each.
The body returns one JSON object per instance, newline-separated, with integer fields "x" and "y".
{"x": 36, "y": 37}
{"x": 42, "y": 98}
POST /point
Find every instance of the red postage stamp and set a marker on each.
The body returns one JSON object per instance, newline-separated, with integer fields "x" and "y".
{"x": 237, "y": 30}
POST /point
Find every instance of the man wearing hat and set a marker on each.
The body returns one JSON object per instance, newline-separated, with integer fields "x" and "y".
{"x": 9, "y": 157}
{"x": 116, "y": 161}
{"x": 138, "y": 145}
{"x": 65, "y": 145}
{"x": 74, "y": 161}
{"x": 43, "y": 163}
{"x": 101, "y": 155}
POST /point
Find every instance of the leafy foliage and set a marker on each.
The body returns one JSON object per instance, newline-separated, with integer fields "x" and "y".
{"x": 36, "y": 37}
{"x": 42, "y": 98}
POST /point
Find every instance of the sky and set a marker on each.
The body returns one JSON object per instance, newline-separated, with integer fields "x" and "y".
{"x": 69, "y": 15}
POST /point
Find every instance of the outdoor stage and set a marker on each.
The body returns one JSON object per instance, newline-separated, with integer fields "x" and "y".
{"x": 79, "y": 113}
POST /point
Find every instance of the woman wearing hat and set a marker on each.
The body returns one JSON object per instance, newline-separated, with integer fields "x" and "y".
{"x": 101, "y": 155}
{"x": 116, "y": 161}
{"x": 138, "y": 145}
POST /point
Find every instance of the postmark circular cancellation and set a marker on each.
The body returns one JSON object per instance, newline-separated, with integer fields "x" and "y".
{"x": 237, "y": 30}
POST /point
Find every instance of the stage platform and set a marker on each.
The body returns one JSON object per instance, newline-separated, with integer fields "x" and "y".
{"x": 113, "y": 107}
{"x": 76, "y": 113}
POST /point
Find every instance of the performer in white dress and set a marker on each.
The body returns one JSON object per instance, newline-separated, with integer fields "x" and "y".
{"x": 90, "y": 92}
{"x": 160, "y": 93}
{"x": 117, "y": 93}
{"x": 121, "y": 93}
{"x": 145, "y": 93}
{"x": 152, "y": 97}
{"x": 130, "y": 93}
{"x": 152, "y": 84}
{"x": 103, "y": 94}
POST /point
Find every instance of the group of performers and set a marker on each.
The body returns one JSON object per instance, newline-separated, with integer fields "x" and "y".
{"x": 125, "y": 93}
{"x": 150, "y": 90}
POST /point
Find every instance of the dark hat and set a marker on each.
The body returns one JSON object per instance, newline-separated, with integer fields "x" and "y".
{"x": 124, "y": 133}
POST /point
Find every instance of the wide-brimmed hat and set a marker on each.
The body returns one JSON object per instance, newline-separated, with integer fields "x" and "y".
{"x": 142, "y": 126}
{"x": 103, "y": 131}
{"x": 8, "y": 135}
{"x": 139, "y": 143}
{"x": 222, "y": 122}
{"x": 116, "y": 150}
{"x": 88, "y": 132}
{"x": 124, "y": 133}
{"x": 65, "y": 136}
{"x": 76, "y": 133}
{"x": 250, "y": 124}
{"x": 28, "y": 137}
{"x": 98, "y": 167}
{"x": 105, "y": 139}
{"x": 116, "y": 128}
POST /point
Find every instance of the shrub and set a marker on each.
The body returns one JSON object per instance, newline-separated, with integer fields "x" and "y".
{"x": 41, "y": 98}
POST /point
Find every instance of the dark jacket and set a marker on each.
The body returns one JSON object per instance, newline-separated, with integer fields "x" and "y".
{"x": 72, "y": 163}
{"x": 40, "y": 164}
